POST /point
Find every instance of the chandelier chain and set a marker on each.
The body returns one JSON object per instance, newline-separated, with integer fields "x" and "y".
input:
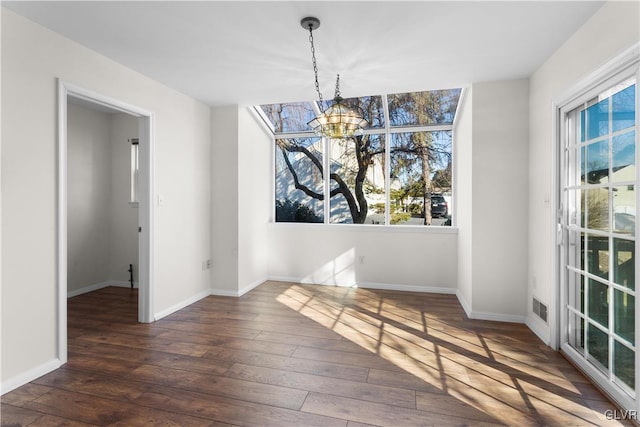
{"x": 338, "y": 121}
{"x": 315, "y": 67}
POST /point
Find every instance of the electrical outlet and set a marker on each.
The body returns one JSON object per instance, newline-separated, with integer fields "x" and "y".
{"x": 361, "y": 258}
{"x": 208, "y": 264}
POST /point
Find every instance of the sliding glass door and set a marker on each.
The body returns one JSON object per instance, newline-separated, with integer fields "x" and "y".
{"x": 597, "y": 222}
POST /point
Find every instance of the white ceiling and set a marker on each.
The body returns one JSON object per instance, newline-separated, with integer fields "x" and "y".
{"x": 246, "y": 53}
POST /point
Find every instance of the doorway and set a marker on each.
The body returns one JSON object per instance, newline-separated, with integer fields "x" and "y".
{"x": 70, "y": 93}
{"x": 102, "y": 205}
{"x": 598, "y": 182}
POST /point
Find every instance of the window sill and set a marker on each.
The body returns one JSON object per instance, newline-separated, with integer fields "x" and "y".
{"x": 368, "y": 228}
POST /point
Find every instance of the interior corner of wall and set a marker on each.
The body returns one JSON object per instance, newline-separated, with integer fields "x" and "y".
{"x": 539, "y": 328}
{"x": 463, "y": 302}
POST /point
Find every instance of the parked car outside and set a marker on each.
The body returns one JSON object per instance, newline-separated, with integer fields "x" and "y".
{"x": 439, "y": 206}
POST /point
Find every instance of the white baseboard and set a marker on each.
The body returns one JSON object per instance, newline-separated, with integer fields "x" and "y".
{"x": 30, "y": 375}
{"x": 251, "y": 286}
{"x": 497, "y": 317}
{"x": 195, "y": 298}
{"x": 464, "y": 303}
{"x": 369, "y": 285}
{"x": 238, "y": 293}
{"x": 224, "y": 293}
{"x": 123, "y": 284}
{"x": 96, "y": 286}
{"x": 307, "y": 281}
{"x": 405, "y": 288}
{"x": 87, "y": 289}
{"x": 480, "y": 315}
{"x": 540, "y": 329}
{"x": 285, "y": 279}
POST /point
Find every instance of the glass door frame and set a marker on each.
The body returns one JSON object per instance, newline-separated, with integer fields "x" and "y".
{"x": 618, "y": 70}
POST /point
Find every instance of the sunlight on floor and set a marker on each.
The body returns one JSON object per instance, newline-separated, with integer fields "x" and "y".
{"x": 479, "y": 369}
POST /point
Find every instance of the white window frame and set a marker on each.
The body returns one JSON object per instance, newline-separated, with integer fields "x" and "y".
{"x": 387, "y": 131}
{"x": 624, "y": 66}
{"x": 135, "y": 169}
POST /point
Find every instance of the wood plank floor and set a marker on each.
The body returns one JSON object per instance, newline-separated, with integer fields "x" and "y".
{"x": 287, "y": 354}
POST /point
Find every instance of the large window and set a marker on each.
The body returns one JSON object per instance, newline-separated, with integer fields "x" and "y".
{"x": 398, "y": 172}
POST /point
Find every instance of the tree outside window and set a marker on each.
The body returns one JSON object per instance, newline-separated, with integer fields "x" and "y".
{"x": 389, "y": 175}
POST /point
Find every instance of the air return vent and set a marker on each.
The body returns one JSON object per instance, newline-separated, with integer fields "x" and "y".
{"x": 540, "y": 309}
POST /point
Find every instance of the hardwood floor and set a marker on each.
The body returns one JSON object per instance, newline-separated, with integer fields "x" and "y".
{"x": 287, "y": 354}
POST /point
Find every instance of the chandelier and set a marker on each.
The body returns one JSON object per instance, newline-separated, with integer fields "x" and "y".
{"x": 338, "y": 121}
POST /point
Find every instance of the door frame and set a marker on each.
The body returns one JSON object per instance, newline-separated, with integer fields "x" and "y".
{"x": 146, "y": 187}
{"x": 628, "y": 61}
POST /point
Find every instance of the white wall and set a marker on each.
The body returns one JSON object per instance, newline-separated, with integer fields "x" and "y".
{"x": 499, "y": 212}
{"x": 422, "y": 260}
{"x": 123, "y": 239}
{"x": 241, "y": 182}
{"x": 463, "y": 172}
{"x": 88, "y": 197}
{"x": 224, "y": 208}
{"x": 611, "y": 30}
{"x": 247, "y": 249}
{"x": 255, "y": 157}
{"x": 491, "y": 180}
{"x": 32, "y": 59}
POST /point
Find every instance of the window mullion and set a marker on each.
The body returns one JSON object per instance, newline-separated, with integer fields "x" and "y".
{"x": 326, "y": 165}
{"x": 418, "y": 128}
{"x": 611, "y": 212}
{"x": 387, "y": 161}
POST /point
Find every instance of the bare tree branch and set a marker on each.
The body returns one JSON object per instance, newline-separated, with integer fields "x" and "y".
{"x": 344, "y": 190}
{"x": 300, "y": 149}
{"x": 363, "y": 157}
{"x": 296, "y": 181}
